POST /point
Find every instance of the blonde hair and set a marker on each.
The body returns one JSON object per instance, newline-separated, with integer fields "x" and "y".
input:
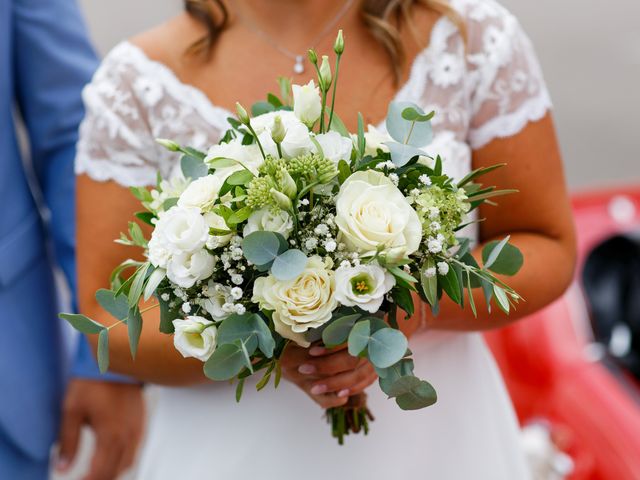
{"x": 384, "y": 18}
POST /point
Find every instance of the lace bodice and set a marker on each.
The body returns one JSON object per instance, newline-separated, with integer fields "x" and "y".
{"x": 490, "y": 89}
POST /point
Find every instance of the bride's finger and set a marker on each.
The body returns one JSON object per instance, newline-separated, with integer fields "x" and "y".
{"x": 330, "y": 400}
{"x": 320, "y": 350}
{"x": 347, "y": 383}
{"x": 329, "y": 365}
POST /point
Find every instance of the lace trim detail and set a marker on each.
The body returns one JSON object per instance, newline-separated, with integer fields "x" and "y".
{"x": 513, "y": 123}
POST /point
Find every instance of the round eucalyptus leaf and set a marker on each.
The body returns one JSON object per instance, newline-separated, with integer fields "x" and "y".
{"x": 421, "y": 396}
{"x": 239, "y": 327}
{"x": 193, "y": 167}
{"x": 261, "y": 247}
{"x": 502, "y": 258}
{"x": 401, "y": 129}
{"x": 289, "y": 265}
{"x": 225, "y": 363}
{"x": 338, "y": 330}
{"x": 386, "y": 347}
{"x": 359, "y": 337}
{"x": 401, "y": 153}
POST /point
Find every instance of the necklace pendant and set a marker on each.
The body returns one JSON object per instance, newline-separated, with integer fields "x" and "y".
{"x": 298, "y": 67}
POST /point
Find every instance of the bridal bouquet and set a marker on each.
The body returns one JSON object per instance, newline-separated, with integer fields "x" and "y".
{"x": 294, "y": 230}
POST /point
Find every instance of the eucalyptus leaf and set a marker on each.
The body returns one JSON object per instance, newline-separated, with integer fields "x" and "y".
{"x": 156, "y": 277}
{"x": 422, "y": 396}
{"x": 386, "y": 347}
{"x": 491, "y": 251}
{"x": 429, "y": 283}
{"x": 260, "y": 108}
{"x": 502, "y": 257}
{"x": 103, "y": 350}
{"x": 413, "y": 133}
{"x": 167, "y": 316}
{"x": 403, "y": 385}
{"x": 82, "y": 323}
{"x": 134, "y": 326}
{"x": 451, "y": 285}
{"x": 338, "y": 330}
{"x": 359, "y": 337}
{"x": 137, "y": 285}
{"x": 260, "y": 247}
{"x": 388, "y": 376}
{"x": 417, "y": 115}
{"x": 401, "y": 153}
{"x": 238, "y": 327}
{"x": 118, "y": 306}
{"x": 193, "y": 167}
{"x": 225, "y": 362}
{"x": 289, "y": 265}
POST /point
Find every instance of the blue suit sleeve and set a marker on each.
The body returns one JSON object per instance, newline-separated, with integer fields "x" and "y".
{"x": 53, "y": 60}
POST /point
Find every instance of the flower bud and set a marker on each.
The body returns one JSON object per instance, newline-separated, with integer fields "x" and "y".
{"x": 243, "y": 116}
{"x": 278, "y": 131}
{"x": 313, "y": 56}
{"x": 325, "y": 73}
{"x": 281, "y": 199}
{"x": 168, "y": 144}
{"x": 338, "y": 46}
{"x": 288, "y": 185}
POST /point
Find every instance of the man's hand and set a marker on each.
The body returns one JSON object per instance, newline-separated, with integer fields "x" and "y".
{"x": 115, "y": 412}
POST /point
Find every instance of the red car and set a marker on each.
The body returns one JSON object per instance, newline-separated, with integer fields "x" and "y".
{"x": 554, "y": 369}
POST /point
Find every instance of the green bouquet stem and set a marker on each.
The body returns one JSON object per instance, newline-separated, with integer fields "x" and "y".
{"x": 353, "y": 417}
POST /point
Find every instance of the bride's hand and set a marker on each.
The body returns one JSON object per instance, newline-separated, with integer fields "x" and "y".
{"x": 329, "y": 377}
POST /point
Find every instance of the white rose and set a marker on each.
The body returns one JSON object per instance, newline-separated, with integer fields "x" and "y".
{"x": 186, "y": 269}
{"x": 201, "y": 193}
{"x": 375, "y": 140}
{"x": 363, "y": 286}
{"x": 305, "y": 302}
{"x": 371, "y": 213}
{"x": 180, "y": 229}
{"x": 216, "y": 221}
{"x": 306, "y": 103}
{"x": 335, "y": 147}
{"x": 158, "y": 253}
{"x": 264, "y": 220}
{"x": 217, "y": 295}
{"x": 195, "y": 337}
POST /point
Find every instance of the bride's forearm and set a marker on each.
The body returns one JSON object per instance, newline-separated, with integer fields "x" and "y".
{"x": 157, "y": 361}
{"x": 546, "y": 273}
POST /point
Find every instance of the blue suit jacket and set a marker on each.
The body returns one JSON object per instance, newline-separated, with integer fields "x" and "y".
{"x": 45, "y": 60}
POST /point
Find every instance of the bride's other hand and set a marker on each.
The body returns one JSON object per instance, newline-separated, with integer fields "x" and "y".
{"x": 329, "y": 377}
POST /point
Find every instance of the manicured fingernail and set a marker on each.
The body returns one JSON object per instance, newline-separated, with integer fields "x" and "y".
{"x": 62, "y": 464}
{"x": 343, "y": 393}
{"x": 318, "y": 389}
{"x": 306, "y": 369}
{"x": 315, "y": 351}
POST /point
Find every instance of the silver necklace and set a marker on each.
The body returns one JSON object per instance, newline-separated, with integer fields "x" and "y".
{"x": 298, "y": 66}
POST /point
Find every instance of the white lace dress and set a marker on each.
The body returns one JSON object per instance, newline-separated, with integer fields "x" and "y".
{"x": 489, "y": 91}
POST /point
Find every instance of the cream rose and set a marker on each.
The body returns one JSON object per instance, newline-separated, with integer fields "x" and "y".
{"x": 306, "y": 103}
{"x": 195, "y": 337}
{"x": 186, "y": 269}
{"x": 300, "y": 304}
{"x": 201, "y": 193}
{"x": 265, "y": 220}
{"x": 363, "y": 286}
{"x": 371, "y": 213}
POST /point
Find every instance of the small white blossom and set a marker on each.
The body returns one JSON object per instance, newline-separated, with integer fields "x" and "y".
{"x": 434, "y": 246}
{"x": 321, "y": 229}
{"x": 311, "y": 243}
{"x": 240, "y": 309}
{"x": 229, "y": 307}
{"x": 424, "y": 179}
{"x": 304, "y": 201}
{"x": 345, "y": 264}
{"x": 165, "y": 297}
{"x": 394, "y": 178}
{"x": 236, "y": 293}
{"x": 430, "y": 272}
{"x": 435, "y": 226}
{"x": 440, "y": 238}
{"x": 237, "y": 279}
{"x": 330, "y": 246}
{"x": 186, "y": 308}
{"x": 443, "y": 268}
{"x": 434, "y": 212}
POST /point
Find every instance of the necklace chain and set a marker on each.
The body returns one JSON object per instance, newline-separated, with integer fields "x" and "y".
{"x": 298, "y": 58}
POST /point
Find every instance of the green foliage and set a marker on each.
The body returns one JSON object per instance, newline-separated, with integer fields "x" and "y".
{"x": 414, "y": 133}
{"x": 193, "y": 167}
{"x": 118, "y": 306}
{"x": 289, "y": 265}
{"x": 429, "y": 283}
{"x": 82, "y": 323}
{"x": 261, "y": 248}
{"x": 103, "y": 350}
{"x": 452, "y": 284}
{"x": 401, "y": 153}
{"x": 338, "y": 330}
{"x": 249, "y": 328}
{"x": 225, "y": 363}
{"x": 359, "y": 337}
{"x": 134, "y": 326}
{"x": 502, "y": 257}
{"x": 386, "y": 347}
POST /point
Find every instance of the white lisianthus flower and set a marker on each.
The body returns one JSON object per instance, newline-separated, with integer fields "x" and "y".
{"x": 201, "y": 193}
{"x": 297, "y": 139}
{"x": 158, "y": 253}
{"x": 186, "y": 269}
{"x": 179, "y": 230}
{"x": 300, "y": 304}
{"x": 195, "y": 337}
{"x": 306, "y": 103}
{"x": 371, "y": 213}
{"x": 217, "y": 297}
{"x": 363, "y": 286}
{"x": 375, "y": 140}
{"x": 335, "y": 147}
{"x": 264, "y": 220}
{"x": 247, "y": 155}
{"x": 216, "y": 221}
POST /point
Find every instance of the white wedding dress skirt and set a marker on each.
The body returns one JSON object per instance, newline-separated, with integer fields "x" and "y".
{"x": 280, "y": 434}
{"x": 489, "y": 88}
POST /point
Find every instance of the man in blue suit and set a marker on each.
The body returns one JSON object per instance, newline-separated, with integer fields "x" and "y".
{"x": 45, "y": 59}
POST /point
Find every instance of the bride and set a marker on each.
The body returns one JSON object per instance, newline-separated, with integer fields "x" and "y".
{"x": 468, "y": 60}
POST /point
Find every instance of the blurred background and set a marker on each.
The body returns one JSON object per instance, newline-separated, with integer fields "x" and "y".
{"x": 573, "y": 370}
{"x": 592, "y": 68}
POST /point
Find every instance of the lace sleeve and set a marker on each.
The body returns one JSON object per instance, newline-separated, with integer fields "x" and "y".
{"x": 116, "y": 142}
{"x": 508, "y": 88}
